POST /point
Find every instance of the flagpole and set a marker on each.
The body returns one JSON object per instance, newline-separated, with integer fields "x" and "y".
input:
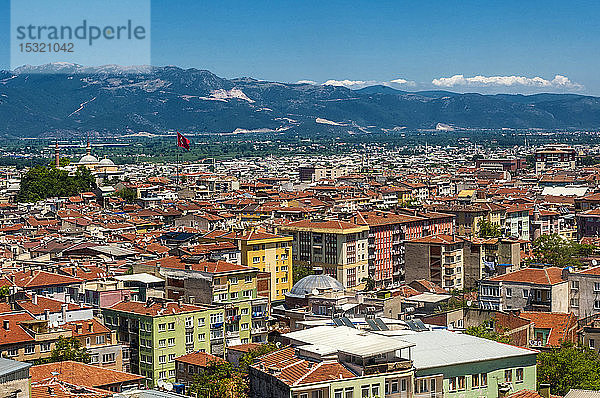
{"x": 177, "y": 165}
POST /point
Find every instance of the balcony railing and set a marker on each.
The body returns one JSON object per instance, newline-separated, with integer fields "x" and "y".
{"x": 388, "y": 367}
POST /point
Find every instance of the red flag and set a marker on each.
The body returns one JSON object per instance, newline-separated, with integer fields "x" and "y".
{"x": 183, "y": 142}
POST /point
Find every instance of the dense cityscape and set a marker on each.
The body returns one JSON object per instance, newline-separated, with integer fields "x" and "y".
{"x": 459, "y": 270}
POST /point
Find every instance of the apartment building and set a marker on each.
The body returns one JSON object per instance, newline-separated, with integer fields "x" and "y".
{"x": 222, "y": 284}
{"x": 584, "y": 291}
{"x": 340, "y": 248}
{"x": 268, "y": 252}
{"x": 528, "y": 289}
{"x": 555, "y": 156}
{"x": 158, "y": 332}
{"x": 436, "y": 258}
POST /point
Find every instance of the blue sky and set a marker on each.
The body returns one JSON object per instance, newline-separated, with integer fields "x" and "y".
{"x": 496, "y": 46}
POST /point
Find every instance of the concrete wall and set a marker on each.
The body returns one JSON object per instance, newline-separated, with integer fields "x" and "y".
{"x": 416, "y": 262}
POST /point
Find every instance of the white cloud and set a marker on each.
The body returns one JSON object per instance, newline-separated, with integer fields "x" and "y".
{"x": 356, "y": 84}
{"x": 349, "y": 83}
{"x": 306, "y": 82}
{"x": 559, "y": 82}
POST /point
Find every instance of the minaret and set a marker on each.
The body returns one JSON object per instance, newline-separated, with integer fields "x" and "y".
{"x": 88, "y": 150}
{"x": 56, "y": 156}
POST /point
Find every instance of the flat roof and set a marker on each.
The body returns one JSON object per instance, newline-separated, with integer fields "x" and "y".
{"x": 428, "y": 297}
{"x": 348, "y": 340}
{"x": 439, "y": 348}
{"x": 143, "y": 278}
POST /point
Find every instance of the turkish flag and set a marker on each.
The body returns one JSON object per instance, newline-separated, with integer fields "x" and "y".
{"x": 183, "y": 142}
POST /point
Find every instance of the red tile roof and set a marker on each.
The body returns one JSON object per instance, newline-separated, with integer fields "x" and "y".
{"x": 198, "y": 358}
{"x": 15, "y": 333}
{"x": 296, "y": 371}
{"x": 538, "y": 276}
{"x": 81, "y": 374}
{"x": 38, "y": 279}
{"x": 562, "y": 326}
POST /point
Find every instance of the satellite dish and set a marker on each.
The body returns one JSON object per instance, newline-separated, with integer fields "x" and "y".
{"x": 315, "y": 292}
{"x": 469, "y": 303}
{"x": 594, "y": 262}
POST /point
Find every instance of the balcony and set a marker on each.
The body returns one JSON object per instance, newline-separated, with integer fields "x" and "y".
{"x": 261, "y": 329}
{"x": 233, "y": 318}
{"x": 219, "y": 288}
{"x": 232, "y": 334}
{"x": 258, "y": 314}
{"x": 216, "y": 325}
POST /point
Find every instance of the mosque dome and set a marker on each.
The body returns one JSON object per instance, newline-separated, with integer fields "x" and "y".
{"x": 106, "y": 162}
{"x": 310, "y": 283}
{"x": 88, "y": 159}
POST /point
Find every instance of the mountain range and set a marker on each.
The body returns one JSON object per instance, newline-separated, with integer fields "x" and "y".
{"x": 68, "y": 99}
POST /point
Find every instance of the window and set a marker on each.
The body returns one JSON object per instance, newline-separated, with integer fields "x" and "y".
{"x": 191, "y": 369}
{"x": 574, "y": 285}
{"x": 171, "y": 326}
{"x": 201, "y": 336}
{"x": 171, "y": 342}
{"x": 244, "y": 311}
{"x": 201, "y": 322}
{"x": 364, "y": 391}
{"x": 189, "y": 322}
{"x": 222, "y": 297}
{"x": 597, "y": 286}
{"x": 234, "y": 295}
{"x": 162, "y": 374}
{"x": 483, "y": 379}
{"x": 162, "y": 343}
{"x": 525, "y": 293}
{"x": 108, "y": 358}
{"x": 94, "y": 358}
{"x": 248, "y": 279}
{"x": 519, "y": 375}
{"x": 29, "y": 349}
{"x": 171, "y": 357}
{"x": 592, "y": 344}
{"x": 574, "y": 302}
{"x": 461, "y": 383}
{"x": 172, "y": 373}
{"x": 394, "y": 386}
{"x": 45, "y": 347}
{"x": 508, "y": 375}
{"x": 244, "y": 326}
{"x": 338, "y": 393}
{"x": 162, "y": 359}
{"x": 247, "y": 293}
{"x": 317, "y": 394}
{"x": 375, "y": 390}
{"x": 508, "y": 292}
{"x": 452, "y": 384}
{"x": 233, "y": 280}
{"x": 597, "y": 304}
{"x": 189, "y": 338}
{"x": 432, "y": 387}
{"x": 349, "y": 393}
{"x": 216, "y": 318}
{"x": 423, "y": 385}
{"x": 162, "y": 327}
{"x": 256, "y": 260}
{"x": 475, "y": 380}
{"x": 100, "y": 339}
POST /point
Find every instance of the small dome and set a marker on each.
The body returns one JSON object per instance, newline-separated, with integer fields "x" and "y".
{"x": 106, "y": 162}
{"x": 310, "y": 283}
{"x": 88, "y": 159}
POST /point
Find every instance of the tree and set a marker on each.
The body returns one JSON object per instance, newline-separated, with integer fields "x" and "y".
{"x": 558, "y": 251}
{"x": 4, "y": 292}
{"x": 219, "y": 380}
{"x": 488, "y": 229}
{"x": 569, "y": 367}
{"x": 42, "y": 182}
{"x": 248, "y": 358}
{"x": 369, "y": 283}
{"x": 129, "y": 195}
{"x": 487, "y": 331}
{"x": 69, "y": 349}
{"x": 299, "y": 272}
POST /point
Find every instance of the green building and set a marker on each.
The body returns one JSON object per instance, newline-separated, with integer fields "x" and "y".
{"x": 232, "y": 287}
{"x": 158, "y": 332}
{"x": 468, "y": 366}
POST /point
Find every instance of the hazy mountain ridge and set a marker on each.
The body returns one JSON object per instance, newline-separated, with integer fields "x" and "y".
{"x": 114, "y": 99}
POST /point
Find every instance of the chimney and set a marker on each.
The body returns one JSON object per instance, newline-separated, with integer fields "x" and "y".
{"x": 179, "y": 301}
{"x": 63, "y": 310}
{"x": 34, "y": 298}
{"x": 545, "y": 390}
{"x": 47, "y": 314}
{"x": 90, "y": 326}
{"x": 78, "y": 327}
{"x": 6, "y": 324}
